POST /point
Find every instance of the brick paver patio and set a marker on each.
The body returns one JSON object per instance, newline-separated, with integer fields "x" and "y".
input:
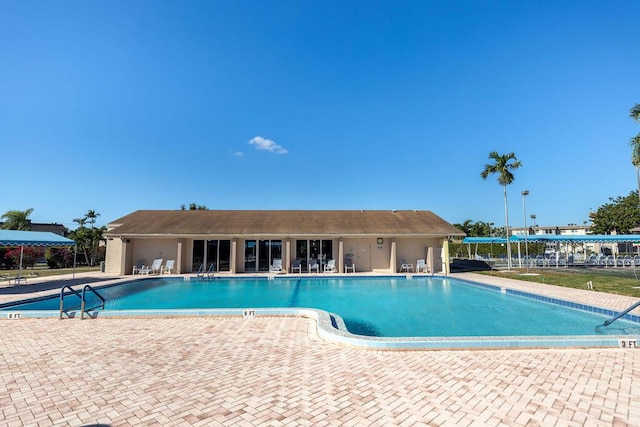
{"x": 276, "y": 371}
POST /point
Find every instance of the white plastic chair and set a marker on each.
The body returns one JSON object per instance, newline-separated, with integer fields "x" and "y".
{"x": 168, "y": 267}
{"x": 405, "y": 266}
{"x": 421, "y": 264}
{"x": 138, "y": 267}
{"x": 276, "y": 267}
{"x": 296, "y": 265}
{"x": 349, "y": 265}
{"x": 330, "y": 266}
{"x": 154, "y": 268}
{"x": 313, "y": 265}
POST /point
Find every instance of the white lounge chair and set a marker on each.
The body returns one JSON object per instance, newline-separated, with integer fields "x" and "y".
{"x": 421, "y": 264}
{"x": 330, "y": 266}
{"x": 313, "y": 265}
{"x": 296, "y": 265}
{"x": 154, "y": 268}
{"x": 406, "y": 267}
{"x": 168, "y": 267}
{"x": 276, "y": 267}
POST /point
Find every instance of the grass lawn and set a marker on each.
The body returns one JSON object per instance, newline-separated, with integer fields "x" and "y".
{"x": 621, "y": 281}
{"x": 46, "y": 272}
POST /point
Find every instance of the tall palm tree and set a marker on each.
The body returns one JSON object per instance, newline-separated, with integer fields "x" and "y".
{"x": 503, "y": 165}
{"x": 17, "y": 220}
{"x": 92, "y": 216}
{"x": 635, "y": 113}
{"x": 634, "y": 143}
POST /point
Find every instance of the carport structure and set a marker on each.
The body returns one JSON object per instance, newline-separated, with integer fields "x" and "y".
{"x": 556, "y": 238}
{"x": 483, "y": 240}
{"x": 15, "y": 238}
{"x": 615, "y": 239}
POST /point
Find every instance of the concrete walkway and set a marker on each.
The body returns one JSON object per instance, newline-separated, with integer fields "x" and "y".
{"x": 276, "y": 371}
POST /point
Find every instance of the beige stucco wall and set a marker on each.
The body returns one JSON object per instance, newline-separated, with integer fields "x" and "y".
{"x": 413, "y": 249}
{"x": 369, "y": 255}
{"x": 122, "y": 255}
{"x": 150, "y": 249}
{"x": 114, "y": 258}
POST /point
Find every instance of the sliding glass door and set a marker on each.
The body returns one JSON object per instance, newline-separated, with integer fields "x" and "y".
{"x": 259, "y": 254}
{"x": 216, "y": 252}
{"x": 321, "y": 250}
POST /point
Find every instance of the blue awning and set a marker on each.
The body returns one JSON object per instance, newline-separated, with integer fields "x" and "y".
{"x": 588, "y": 238}
{"x": 33, "y": 238}
{"x": 488, "y": 239}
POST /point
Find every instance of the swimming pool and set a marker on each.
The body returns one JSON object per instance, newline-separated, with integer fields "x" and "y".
{"x": 376, "y": 307}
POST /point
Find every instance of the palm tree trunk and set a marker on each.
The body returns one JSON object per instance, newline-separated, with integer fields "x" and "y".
{"x": 506, "y": 219}
{"x": 638, "y": 180}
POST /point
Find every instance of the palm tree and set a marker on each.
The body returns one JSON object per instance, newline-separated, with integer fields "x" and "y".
{"x": 634, "y": 143}
{"x": 92, "y": 216}
{"x": 17, "y": 220}
{"x": 503, "y": 165}
{"x": 465, "y": 226}
{"x": 635, "y": 113}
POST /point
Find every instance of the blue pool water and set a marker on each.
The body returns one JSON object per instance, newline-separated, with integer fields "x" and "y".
{"x": 386, "y": 307}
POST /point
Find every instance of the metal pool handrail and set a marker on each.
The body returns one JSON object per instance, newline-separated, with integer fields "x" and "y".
{"x": 82, "y": 297}
{"x": 613, "y": 319}
{"x": 74, "y": 292}
{"x": 82, "y": 310}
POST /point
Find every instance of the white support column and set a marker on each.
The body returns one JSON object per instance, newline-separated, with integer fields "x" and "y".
{"x": 179, "y": 256}
{"x": 232, "y": 261}
{"x": 392, "y": 262}
{"x": 287, "y": 255}
{"x": 446, "y": 266}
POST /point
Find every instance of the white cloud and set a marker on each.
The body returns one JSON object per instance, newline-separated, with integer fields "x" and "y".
{"x": 266, "y": 144}
{"x": 238, "y": 154}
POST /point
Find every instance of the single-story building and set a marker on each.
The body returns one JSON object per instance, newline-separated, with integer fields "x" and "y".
{"x": 247, "y": 241}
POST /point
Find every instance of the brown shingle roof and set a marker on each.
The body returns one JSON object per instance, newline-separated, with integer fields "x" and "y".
{"x": 280, "y": 223}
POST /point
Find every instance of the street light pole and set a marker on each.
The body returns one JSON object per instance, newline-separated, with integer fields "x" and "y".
{"x": 526, "y": 231}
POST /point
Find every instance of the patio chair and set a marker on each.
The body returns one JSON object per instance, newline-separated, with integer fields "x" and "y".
{"x": 168, "y": 267}
{"x": 296, "y": 265}
{"x": 406, "y": 267}
{"x": 313, "y": 265}
{"x": 421, "y": 264}
{"x": 138, "y": 267}
{"x": 349, "y": 265}
{"x": 276, "y": 267}
{"x": 153, "y": 268}
{"x": 330, "y": 266}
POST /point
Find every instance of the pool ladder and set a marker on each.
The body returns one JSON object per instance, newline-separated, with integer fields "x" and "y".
{"x": 613, "y": 319}
{"x": 83, "y": 300}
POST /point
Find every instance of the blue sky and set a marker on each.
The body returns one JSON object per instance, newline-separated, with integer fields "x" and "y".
{"x": 116, "y": 106}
